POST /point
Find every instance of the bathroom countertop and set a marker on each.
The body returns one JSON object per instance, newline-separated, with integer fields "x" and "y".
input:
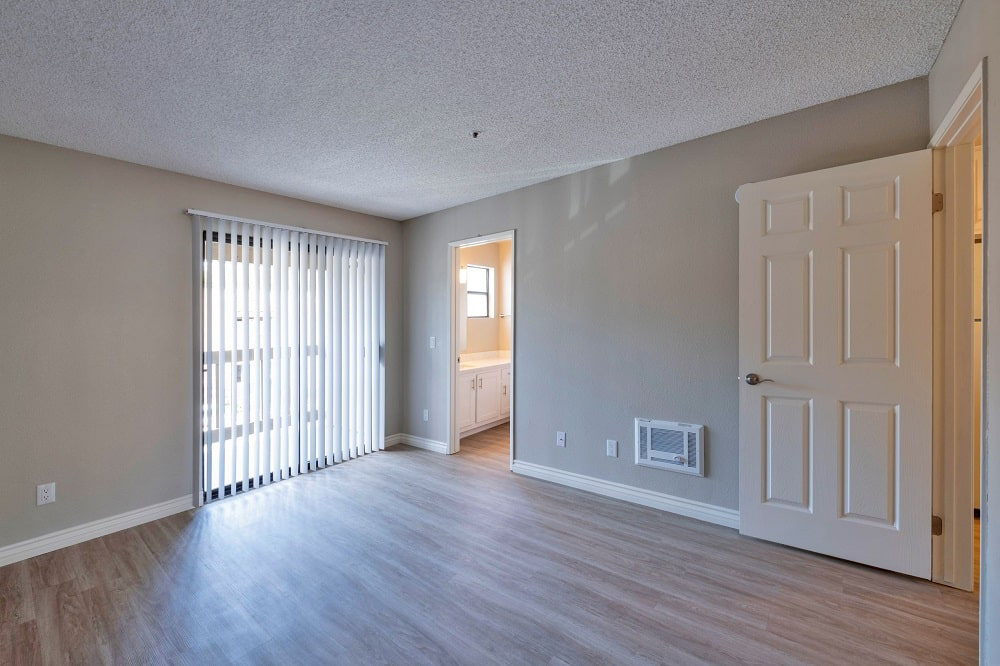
{"x": 482, "y": 363}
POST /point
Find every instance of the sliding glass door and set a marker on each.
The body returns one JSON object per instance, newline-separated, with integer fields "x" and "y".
{"x": 292, "y": 335}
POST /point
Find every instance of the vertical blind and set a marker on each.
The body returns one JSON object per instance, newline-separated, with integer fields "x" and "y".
{"x": 291, "y": 343}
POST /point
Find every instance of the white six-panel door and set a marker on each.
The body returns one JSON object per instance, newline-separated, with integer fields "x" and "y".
{"x": 835, "y": 308}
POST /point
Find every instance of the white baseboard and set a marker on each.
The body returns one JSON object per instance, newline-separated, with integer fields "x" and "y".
{"x": 484, "y": 426}
{"x": 709, "y": 513}
{"x": 416, "y": 442}
{"x": 423, "y": 443}
{"x": 433, "y": 444}
{"x": 98, "y": 528}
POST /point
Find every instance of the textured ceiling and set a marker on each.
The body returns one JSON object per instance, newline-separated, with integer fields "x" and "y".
{"x": 370, "y": 105}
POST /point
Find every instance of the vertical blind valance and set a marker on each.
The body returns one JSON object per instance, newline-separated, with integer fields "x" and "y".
{"x": 291, "y": 344}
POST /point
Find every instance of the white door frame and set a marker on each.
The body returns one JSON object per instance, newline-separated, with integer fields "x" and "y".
{"x": 952, "y": 552}
{"x": 453, "y": 267}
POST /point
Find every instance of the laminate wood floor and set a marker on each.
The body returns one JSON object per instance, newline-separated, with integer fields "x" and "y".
{"x": 411, "y": 557}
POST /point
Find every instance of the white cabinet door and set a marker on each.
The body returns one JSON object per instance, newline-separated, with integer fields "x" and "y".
{"x": 505, "y": 400}
{"x": 466, "y": 401}
{"x": 835, "y": 314}
{"x": 487, "y": 396}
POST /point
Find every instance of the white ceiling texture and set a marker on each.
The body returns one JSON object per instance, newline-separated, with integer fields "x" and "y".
{"x": 371, "y": 105}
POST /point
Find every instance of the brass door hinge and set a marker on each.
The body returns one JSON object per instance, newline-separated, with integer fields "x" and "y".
{"x": 937, "y": 526}
{"x": 937, "y": 202}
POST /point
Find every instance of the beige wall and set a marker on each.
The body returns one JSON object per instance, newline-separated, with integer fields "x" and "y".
{"x": 481, "y": 333}
{"x": 96, "y": 328}
{"x": 975, "y": 35}
{"x": 626, "y": 288}
{"x": 492, "y": 333}
{"x": 505, "y": 295}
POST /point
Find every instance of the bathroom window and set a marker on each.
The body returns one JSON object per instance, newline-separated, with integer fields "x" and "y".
{"x": 479, "y": 291}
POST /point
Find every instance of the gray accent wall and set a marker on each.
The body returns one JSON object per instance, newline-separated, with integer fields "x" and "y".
{"x": 626, "y": 288}
{"x": 96, "y": 328}
{"x": 975, "y": 35}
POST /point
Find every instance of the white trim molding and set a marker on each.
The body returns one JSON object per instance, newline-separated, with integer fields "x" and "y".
{"x": 966, "y": 106}
{"x": 482, "y": 239}
{"x": 97, "y": 528}
{"x": 709, "y": 513}
{"x": 393, "y": 440}
{"x": 952, "y": 552}
{"x": 416, "y": 442}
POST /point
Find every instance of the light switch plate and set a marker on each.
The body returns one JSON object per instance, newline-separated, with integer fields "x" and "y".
{"x": 612, "y": 448}
{"x": 561, "y": 439}
{"x": 426, "y": 415}
{"x": 433, "y": 342}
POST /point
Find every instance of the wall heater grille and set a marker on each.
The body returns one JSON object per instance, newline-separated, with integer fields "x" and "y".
{"x": 678, "y": 447}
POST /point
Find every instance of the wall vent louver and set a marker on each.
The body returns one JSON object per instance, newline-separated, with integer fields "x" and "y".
{"x": 678, "y": 447}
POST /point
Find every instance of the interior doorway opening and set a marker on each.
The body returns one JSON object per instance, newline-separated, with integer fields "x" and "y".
{"x": 482, "y": 328}
{"x": 959, "y": 240}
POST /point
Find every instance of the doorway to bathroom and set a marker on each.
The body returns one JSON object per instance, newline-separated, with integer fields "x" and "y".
{"x": 482, "y": 343}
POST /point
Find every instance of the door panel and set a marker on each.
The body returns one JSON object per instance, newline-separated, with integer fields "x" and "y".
{"x": 789, "y": 214}
{"x": 870, "y": 442}
{"x": 466, "y": 401}
{"x": 488, "y": 396}
{"x": 870, "y": 294}
{"x": 870, "y": 202}
{"x": 835, "y": 309}
{"x": 788, "y": 451}
{"x": 788, "y": 316}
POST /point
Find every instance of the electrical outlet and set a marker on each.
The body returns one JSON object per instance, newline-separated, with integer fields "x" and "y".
{"x": 561, "y": 439}
{"x": 427, "y": 415}
{"x": 612, "y": 448}
{"x": 46, "y": 493}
